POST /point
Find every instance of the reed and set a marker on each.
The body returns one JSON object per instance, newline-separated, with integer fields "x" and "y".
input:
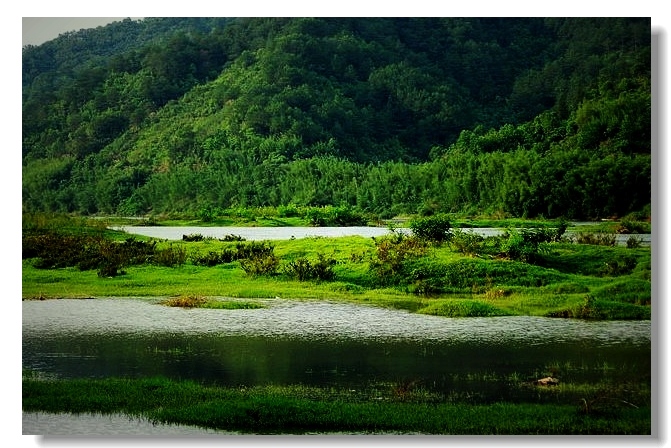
{"x": 297, "y": 409}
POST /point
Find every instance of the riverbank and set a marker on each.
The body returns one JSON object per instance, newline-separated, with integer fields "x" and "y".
{"x": 570, "y": 409}
{"x": 467, "y": 276}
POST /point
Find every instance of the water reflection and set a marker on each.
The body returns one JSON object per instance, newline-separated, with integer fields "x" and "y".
{"x": 314, "y": 343}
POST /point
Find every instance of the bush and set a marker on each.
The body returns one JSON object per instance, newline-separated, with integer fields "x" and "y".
{"x": 206, "y": 214}
{"x": 525, "y": 245}
{"x": 633, "y": 242}
{"x": 193, "y": 237}
{"x": 435, "y": 228}
{"x": 393, "y": 251}
{"x": 260, "y": 264}
{"x": 229, "y": 255}
{"x": 303, "y": 269}
{"x": 334, "y": 216}
{"x": 230, "y": 237}
{"x": 467, "y": 243}
{"x": 288, "y": 211}
{"x": 597, "y": 239}
{"x": 170, "y": 256}
{"x": 628, "y": 225}
{"x": 56, "y": 250}
{"x": 621, "y": 265}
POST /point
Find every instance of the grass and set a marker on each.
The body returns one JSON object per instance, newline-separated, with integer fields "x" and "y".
{"x": 566, "y": 280}
{"x": 211, "y": 303}
{"x": 298, "y": 409}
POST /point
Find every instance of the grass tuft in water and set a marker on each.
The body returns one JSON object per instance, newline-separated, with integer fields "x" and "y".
{"x": 190, "y": 301}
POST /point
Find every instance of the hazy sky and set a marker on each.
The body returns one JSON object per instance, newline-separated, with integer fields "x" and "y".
{"x": 37, "y": 30}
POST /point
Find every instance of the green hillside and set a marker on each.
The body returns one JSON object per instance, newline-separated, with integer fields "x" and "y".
{"x": 510, "y": 116}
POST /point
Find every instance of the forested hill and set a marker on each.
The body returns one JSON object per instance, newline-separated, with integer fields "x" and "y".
{"x": 513, "y": 116}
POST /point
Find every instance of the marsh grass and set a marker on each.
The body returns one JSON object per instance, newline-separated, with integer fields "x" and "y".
{"x": 190, "y": 301}
{"x": 399, "y": 408}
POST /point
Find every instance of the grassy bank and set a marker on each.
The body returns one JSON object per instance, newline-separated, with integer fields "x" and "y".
{"x": 462, "y": 275}
{"x": 564, "y": 409}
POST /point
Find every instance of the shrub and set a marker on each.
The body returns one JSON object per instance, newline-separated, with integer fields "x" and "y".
{"x": 346, "y": 216}
{"x": 288, "y": 211}
{"x": 434, "y": 228}
{"x": 260, "y": 264}
{"x": 525, "y": 245}
{"x": 193, "y": 237}
{"x": 597, "y": 239}
{"x": 56, "y": 250}
{"x": 186, "y": 301}
{"x": 170, "y": 256}
{"x": 562, "y": 225}
{"x": 316, "y": 217}
{"x": 228, "y": 254}
{"x": 209, "y": 259}
{"x": 628, "y": 225}
{"x": 392, "y": 252}
{"x": 231, "y": 237}
{"x": 467, "y": 243}
{"x": 334, "y": 216}
{"x": 206, "y": 214}
{"x": 621, "y": 265}
{"x": 633, "y": 242}
{"x": 303, "y": 269}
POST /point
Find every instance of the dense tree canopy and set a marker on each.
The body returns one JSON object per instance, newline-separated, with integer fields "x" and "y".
{"x": 524, "y": 117}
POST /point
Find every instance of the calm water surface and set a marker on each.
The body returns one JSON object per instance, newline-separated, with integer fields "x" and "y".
{"x": 306, "y": 342}
{"x": 43, "y": 423}
{"x": 317, "y": 343}
{"x": 286, "y": 233}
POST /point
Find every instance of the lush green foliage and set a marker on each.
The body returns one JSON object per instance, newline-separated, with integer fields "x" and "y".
{"x": 476, "y": 278}
{"x": 433, "y": 228}
{"x": 516, "y": 117}
{"x": 608, "y": 407}
{"x": 304, "y": 269}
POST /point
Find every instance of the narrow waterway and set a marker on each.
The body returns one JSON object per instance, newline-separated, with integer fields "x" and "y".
{"x": 286, "y": 233}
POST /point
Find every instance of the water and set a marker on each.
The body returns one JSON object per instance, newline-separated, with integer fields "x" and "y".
{"x": 286, "y": 233}
{"x": 317, "y": 343}
{"x": 253, "y": 233}
{"x": 94, "y": 425}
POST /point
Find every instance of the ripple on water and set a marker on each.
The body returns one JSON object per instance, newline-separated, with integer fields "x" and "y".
{"x": 43, "y": 423}
{"x": 314, "y": 320}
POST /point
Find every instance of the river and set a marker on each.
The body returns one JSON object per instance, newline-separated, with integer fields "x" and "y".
{"x": 317, "y": 343}
{"x": 286, "y": 233}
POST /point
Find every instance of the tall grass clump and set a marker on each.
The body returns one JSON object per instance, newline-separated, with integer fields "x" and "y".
{"x": 597, "y": 239}
{"x": 462, "y": 308}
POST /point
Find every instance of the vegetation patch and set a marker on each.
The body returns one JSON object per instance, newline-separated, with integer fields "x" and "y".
{"x": 398, "y": 270}
{"x": 190, "y": 301}
{"x": 462, "y": 308}
{"x": 400, "y": 408}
